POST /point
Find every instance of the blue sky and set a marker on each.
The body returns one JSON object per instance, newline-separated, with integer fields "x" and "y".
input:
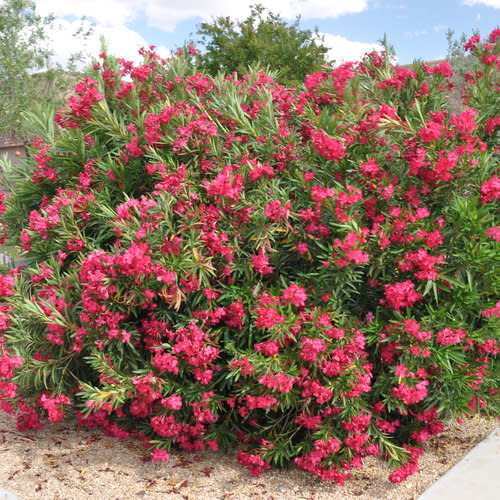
{"x": 416, "y": 28}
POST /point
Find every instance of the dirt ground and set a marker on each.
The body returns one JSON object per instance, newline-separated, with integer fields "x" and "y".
{"x": 64, "y": 462}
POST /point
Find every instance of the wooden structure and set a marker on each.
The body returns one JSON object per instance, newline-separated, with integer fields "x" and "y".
{"x": 13, "y": 147}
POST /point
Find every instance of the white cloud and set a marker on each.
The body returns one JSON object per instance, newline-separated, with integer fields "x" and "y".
{"x": 344, "y": 50}
{"x": 495, "y": 4}
{"x": 112, "y": 18}
{"x": 106, "y": 12}
{"x": 121, "y": 41}
{"x": 166, "y": 14}
{"x": 320, "y": 9}
{"x": 415, "y": 34}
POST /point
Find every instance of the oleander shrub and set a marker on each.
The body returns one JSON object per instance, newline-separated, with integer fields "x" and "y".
{"x": 308, "y": 275}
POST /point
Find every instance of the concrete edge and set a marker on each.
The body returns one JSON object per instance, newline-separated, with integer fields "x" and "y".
{"x": 476, "y": 476}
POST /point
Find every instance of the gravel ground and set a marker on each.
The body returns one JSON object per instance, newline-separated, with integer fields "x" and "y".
{"x": 64, "y": 462}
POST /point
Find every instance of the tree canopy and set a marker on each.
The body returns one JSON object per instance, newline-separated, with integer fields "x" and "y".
{"x": 265, "y": 39}
{"x": 27, "y": 75}
{"x": 21, "y": 52}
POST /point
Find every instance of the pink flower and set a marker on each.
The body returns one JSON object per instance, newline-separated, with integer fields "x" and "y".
{"x": 133, "y": 148}
{"x": 173, "y": 402}
{"x": 270, "y": 348}
{"x": 260, "y": 263}
{"x": 6, "y": 285}
{"x": 424, "y": 262}
{"x": 331, "y": 149}
{"x": 401, "y": 370}
{"x": 309, "y": 421}
{"x": 159, "y": 455}
{"x": 311, "y": 347}
{"x": 327, "y": 447}
{"x": 262, "y": 402}
{"x": 400, "y": 294}
{"x": 411, "y": 395}
{"x": 494, "y": 312}
{"x": 320, "y": 193}
{"x": 256, "y": 465}
{"x": 202, "y": 412}
{"x": 8, "y": 364}
{"x": 279, "y": 382}
{"x": 210, "y": 294}
{"x": 246, "y": 368}
{"x": 28, "y": 419}
{"x": 431, "y": 132}
{"x": 387, "y": 426}
{"x": 370, "y": 168}
{"x": 276, "y": 211}
{"x": 401, "y": 473}
{"x": 302, "y": 247}
{"x": 493, "y": 232}
{"x": 165, "y": 362}
{"x": 356, "y": 440}
{"x": 447, "y": 336}
{"x": 494, "y": 35}
{"x": 471, "y": 44}
{"x": 267, "y": 317}
{"x": 225, "y": 185}
{"x": 464, "y": 122}
{"x": 491, "y": 125}
{"x": 413, "y": 328}
{"x": 235, "y": 314}
{"x": 53, "y": 405}
{"x": 314, "y": 388}
{"x": 295, "y": 295}
{"x": 165, "y": 426}
{"x": 490, "y": 190}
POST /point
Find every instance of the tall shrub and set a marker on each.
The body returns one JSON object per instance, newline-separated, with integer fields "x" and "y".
{"x": 312, "y": 274}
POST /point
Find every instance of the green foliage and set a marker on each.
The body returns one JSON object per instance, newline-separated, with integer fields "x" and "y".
{"x": 311, "y": 273}
{"x": 27, "y": 74}
{"x": 263, "y": 39}
{"x": 21, "y": 32}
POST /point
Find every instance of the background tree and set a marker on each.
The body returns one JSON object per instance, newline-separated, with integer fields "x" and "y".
{"x": 461, "y": 63}
{"x": 262, "y": 38}
{"x": 27, "y": 73}
{"x": 21, "y": 52}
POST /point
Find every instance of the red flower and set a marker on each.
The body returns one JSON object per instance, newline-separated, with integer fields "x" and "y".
{"x": 331, "y": 149}
{"x": 256, "y": 465}
{"x": 53, "y": 405}
{"x": 311, "y": 347}
{"x": 401, "y": 294}
{"x": 260, "y": 263}
{"x": 494, "y": 312}
{"x": 447, "y": 336}
{"x": 267, "y": 317}
{"x": 411, "y": 395}
{"x": 270, "y": 348}
{"x": 295, "y": 295}
{"x": 159, "y": 455}
{"x": 490, "y": 190}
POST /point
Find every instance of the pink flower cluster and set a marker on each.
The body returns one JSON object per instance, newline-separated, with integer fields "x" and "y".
{"x": 400, "y": 294}
{"x": 230, "y": 260}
